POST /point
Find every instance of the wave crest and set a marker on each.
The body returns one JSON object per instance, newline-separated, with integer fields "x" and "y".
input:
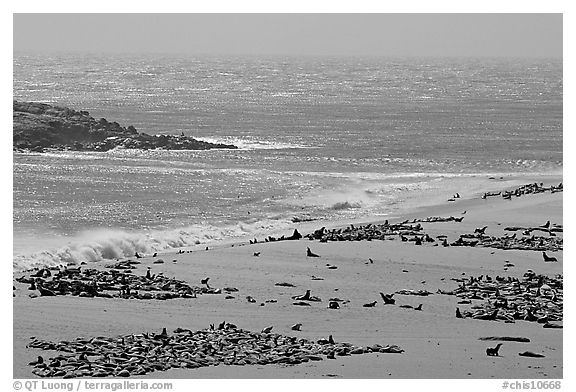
{"x": 97, "y": 245}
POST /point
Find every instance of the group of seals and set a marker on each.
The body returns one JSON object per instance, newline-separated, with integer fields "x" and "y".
{"x": 295, "y": 236}
{"x": 409, "y": 231}
{"x": 526, "y": 190}
{"x": 118, "y": 281}
{"x": 538, "y": 243}
{"x": 535, "y": 298}
{"x": 367, "y": 232}
{"x": 550, "y": 230}
{"x": 435, "y": 219}
{"x": 139, "y": 354}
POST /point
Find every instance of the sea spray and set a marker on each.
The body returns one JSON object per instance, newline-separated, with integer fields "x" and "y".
{"x": 101, "y": 244}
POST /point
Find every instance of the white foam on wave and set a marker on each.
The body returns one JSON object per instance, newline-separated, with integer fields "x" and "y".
{"x": 251, "y": 143}
{"x": 379, "y": 193}
{"x": 110, "y": 244}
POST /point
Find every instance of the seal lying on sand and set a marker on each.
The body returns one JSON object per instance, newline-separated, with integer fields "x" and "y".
{"x": 267, "y": 329}
{"x": 530, "y": 354}
{"x": 307, "y": 297}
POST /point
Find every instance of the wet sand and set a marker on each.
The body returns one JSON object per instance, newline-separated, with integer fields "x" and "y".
{"x": 436, "y": 343}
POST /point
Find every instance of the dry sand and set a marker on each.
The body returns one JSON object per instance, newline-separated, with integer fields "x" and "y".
{"x": 436, "y": 343}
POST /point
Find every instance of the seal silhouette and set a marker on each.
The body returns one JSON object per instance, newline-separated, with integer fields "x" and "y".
{"x": 310, "y": 254}
{"x": 493, "y": 351}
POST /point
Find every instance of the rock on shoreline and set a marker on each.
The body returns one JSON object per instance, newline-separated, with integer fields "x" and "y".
{"x": 38, "y": 126}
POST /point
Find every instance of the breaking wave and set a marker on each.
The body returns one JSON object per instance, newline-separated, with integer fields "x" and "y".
{"x": 103, "y": 244}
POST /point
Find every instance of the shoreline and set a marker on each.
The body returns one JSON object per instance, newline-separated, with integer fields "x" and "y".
{"x": 407, "y": 209}
{"x": 436, "y": 344}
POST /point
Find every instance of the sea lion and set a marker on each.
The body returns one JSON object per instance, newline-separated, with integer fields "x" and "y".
{"x": 310, "y": 254}
{"x": 330, "y": 340}
{"x": 333, "y": 305}
{"x": 37, "y": 361}
{"x": 256, "y": 254}
{"x": 493, "y": 351}
{"x": 388, "y": 300}
{"x": 552, "y": 325}
{"x": 205, "y": 281}
{"x": 267, "y": 329}
{"x": 490, "y": 316}
{"x": 44, "y": 292}
{"x": 295, "y": 236}
{"x": 296, "y": 327}
{"x": 549, "y": 258}
{"x": 530, "y": 354}
{"x": 458, "y": 314}
{"x": 481, "y": 230}
{"x": 304, "y": 297}
{"x": 530, "y": 316}
{"x": 370, "y": 305}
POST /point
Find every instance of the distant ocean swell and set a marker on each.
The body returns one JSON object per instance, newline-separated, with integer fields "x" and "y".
{"x": 342, "y": 140}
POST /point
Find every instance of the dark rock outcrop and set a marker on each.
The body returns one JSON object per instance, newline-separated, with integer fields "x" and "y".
{"x": 37, "y": 126}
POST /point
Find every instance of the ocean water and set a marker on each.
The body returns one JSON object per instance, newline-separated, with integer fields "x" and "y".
{"x": 320, "y": 138}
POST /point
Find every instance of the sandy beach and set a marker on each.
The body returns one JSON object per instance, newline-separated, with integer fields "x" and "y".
{"x": 436, "y": 344}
